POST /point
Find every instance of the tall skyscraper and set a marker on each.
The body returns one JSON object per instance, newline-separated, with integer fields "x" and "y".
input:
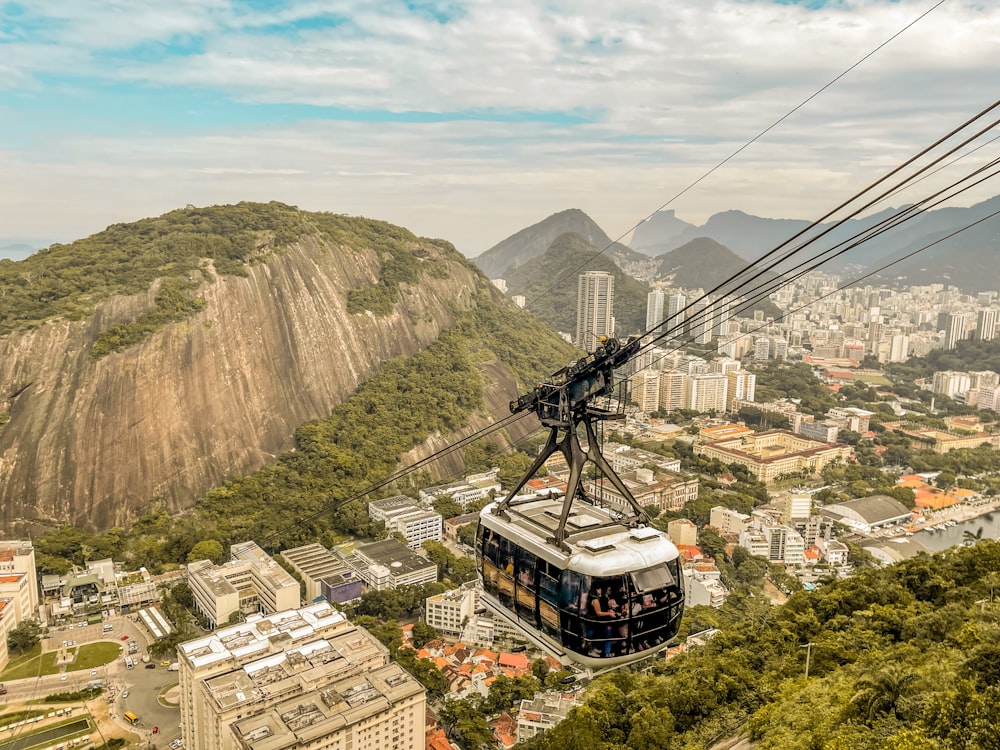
{"x": 594, "y": 308}
{"x": 654, "y": 309}
{"x": 675, "y": 311}
{"x": 700, "y": 328}
{"x": 955, "y": 329}
{"x": 986, "y": 324}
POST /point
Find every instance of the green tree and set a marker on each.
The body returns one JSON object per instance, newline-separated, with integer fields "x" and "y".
{"x": 880, "y": 693}
{"x": 24, "y": 636}
{"x": 207, "y": 549}
{"x": 422, "y": 633}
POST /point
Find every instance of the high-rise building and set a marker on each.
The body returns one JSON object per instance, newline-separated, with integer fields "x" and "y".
{"x": 304, "y": 678}
{"x": 19, "y": 579}
{"x": 707, "y": 392}
{"x": 742, "y": 387}
{"x": 699, "y": 329}
{"x": 899, "y": 347}
{"x": 676, "y": 303}
{"x": 594, "y": 308}
{"x": 646, "y": 390}
{"x": 655, "y": 309}
{"x": 672, "y": 386}
{"x": 955, "y": 329}
{"x": 986, "y": 324}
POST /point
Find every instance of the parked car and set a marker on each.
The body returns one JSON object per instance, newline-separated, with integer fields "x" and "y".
{"x": 124, "y": 638}
{"x": 150, "y": 666}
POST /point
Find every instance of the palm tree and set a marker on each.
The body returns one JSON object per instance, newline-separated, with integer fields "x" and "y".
{"x": 969, "y": 538}
{"x": 879, "y": 694}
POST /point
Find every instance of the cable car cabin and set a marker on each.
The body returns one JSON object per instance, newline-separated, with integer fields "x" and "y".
{"x": 617, "y": 596}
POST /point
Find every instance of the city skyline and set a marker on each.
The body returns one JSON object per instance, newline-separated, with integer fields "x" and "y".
{"x": 469, "y": 122}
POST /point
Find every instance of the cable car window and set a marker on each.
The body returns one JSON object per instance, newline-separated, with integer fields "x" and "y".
{"x": 505, "y": 566}
{"x": 526, "y": 596}
{"x": 548, "y": 597}
{"x": 605, "y": 616}
{"x": 650, "y": 579}
{"x": 573, "y": 602}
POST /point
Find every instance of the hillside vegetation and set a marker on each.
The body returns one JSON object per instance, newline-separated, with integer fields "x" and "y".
{"x": 186, "y": 246}
{"x": 550, "y": 285}
{"x": 902, "y": 658}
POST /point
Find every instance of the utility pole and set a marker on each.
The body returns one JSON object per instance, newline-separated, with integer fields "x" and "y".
{"x": 808, "y": 648}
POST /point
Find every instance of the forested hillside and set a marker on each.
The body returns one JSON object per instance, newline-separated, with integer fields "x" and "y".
{"x": 901, "y": 658}
{"x": 155, "y": 360}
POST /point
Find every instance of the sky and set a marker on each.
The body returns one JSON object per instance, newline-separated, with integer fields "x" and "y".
{"x": 469, "y": 120}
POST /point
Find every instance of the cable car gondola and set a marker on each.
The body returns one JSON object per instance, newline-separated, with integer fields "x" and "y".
{"x": 598, "y": 586}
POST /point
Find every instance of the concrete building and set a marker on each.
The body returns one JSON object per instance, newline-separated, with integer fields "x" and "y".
{"x": 304, "y": 678}
{"x": 655, "y": 311}
{"x": 950, "y": 383}
{"x": 728, "y": 521}
{"x": 19, "y": 580}
{"x": 594, "y": 308}
{"x": 683, "y": 532}
{"x": 768, "y": 455}
{"x": 543, "y": 712}
{"x": 667, "y": 490}
{"x": 315, "y": 564}
{"x": 646, "y": 390}
{"x": 707, "y": 392}
{"x": 451, "y": 611}
{"x": 672, "y": 390}
{"x": 742, "y": 387}
{"x": 405, "y": 516}
{"x": 824, "y": 431}
{"x": 955, "y": 329}
{"x": 389, "y": 564}
{"x": 703, "y": 585}
{"x": 250, "y": 582}
{"x": 986, "y": 324}
{"x": 868, "y": 514}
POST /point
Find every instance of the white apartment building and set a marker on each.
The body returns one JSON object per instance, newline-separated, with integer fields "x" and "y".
{"x": 707, "y": 392}
{"x": 646, "y": 390}
{"x": 303, "y": 678}
{"x": 950, "y": 383}
{"x": 703, "y": 585}
{"x": 672, "y": 385}
{"x": 594, "y": 308}
{"x": 728, "y": 521}
{"x": 405, "y": 516}
{"x": 250, "y": 582}
{"x": 451, "y": 611}
{"x": 543, "y": 712}
{"x": 19, "y": 580}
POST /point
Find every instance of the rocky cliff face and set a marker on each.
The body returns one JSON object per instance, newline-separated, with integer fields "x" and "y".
{"x": 91, "y": 443}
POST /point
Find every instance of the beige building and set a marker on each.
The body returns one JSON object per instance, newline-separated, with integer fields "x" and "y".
{"x": 667, "y": 490}
{"x": 250, "y": 582}
{"x": 303, "y": 678}
{"x": 19, "y": 580}
{"x": 768, "y": 455}
{"x": 451, "y": 610}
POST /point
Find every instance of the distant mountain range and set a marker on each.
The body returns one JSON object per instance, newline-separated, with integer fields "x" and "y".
{"x": 968, "y": 259}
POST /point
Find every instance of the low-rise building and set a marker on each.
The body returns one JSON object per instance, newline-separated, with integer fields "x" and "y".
{"x": 667, "y": 490}
{"x": 728, "y": 521}
{"x": 450, "y": 612}
{"x": 769, "y": 455}
{"x": 389, "y": 564}
{"x": 543, "y": 712}
{"x": 868, "y": 514}
{"x": 250, "y": 582}
{"x": 315, "y": 564}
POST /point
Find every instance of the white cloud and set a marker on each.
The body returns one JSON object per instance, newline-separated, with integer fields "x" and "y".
{"x": 694, "y": 79}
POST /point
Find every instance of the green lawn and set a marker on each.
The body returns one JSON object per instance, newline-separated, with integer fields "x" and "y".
{"x": 88, "y": 656}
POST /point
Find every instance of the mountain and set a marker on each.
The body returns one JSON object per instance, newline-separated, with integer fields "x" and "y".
{"x": 501, "y": 260}
{"x": 967, "y": 255}
{"x": 16, "y": 250}
{"x": 157, "y": 359}
{"x": 657, "y": 234}
{"x": 549, "y": 284}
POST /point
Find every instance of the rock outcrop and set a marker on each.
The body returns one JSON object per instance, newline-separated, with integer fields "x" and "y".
{"x": 92, "y": 443}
